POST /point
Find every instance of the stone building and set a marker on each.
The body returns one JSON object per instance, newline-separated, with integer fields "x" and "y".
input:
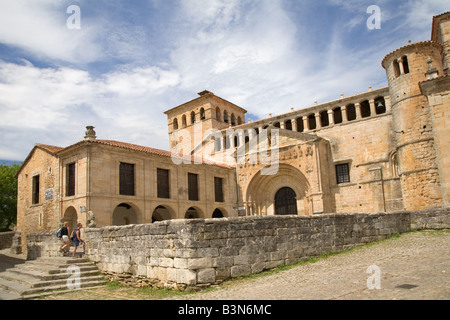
{"x": 383, "y": 150}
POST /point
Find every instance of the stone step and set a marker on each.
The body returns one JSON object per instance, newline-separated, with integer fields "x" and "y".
{"x": 45, "y": 275}
{"x": 53, "y": 268}
{"x": 34, "y": 278}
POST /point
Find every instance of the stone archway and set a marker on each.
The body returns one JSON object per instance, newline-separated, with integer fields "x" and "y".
{"x": 161, "y": 213}
{"x": 218, "y": 214}
{"x": 71, "y": 216}
{"x": 262, "y": 190}
{"x": 192, "y": 213}
{"x": 124, "y": 214}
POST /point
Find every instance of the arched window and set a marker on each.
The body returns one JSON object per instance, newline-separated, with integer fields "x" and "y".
{"x": 202, "y": 114}
{"x": 225, "y": 116}
{"x": 380, "y": 105}
{"x": 288, "y": 125}
{"x": 337, "y": 113}
{"x": 312, "y": 121}
{"x": 324, "y": 118}
{"x": 365, "y": 109}
{"x": 396, "y": 68}
{"x": 239, "y": 121}
{"x": 351, "y": 112}
{"x": 300, "y": 127}
{"x": 405, "y": 64}
{"x": 183, "y": 121}
{"x": 175, "y": 124}
{"x": 218, "y": 116}
{"x": 233, "y": 120}
{"x": 192, "y": 117}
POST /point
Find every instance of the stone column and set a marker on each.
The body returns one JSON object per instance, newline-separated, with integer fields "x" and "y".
{"x": 318, "y": 122}
{"x": 305, "y": 123}
{"x": 358, "y": 110}
{"x": 373, "y": 110}
{"x": 282, "y": 125}
{"x": 294, "y": 125}
{"x": 387, "y": 101}
{"x": 330, "y": 117}
{"x": 400, "y": 64}
{"x": 344, "y": 114}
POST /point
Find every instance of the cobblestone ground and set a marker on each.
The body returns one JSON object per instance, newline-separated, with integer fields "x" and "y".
{"x": 413, "y": 266}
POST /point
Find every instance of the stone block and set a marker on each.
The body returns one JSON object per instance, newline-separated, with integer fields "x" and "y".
{"x": 206, "y": 275}
{"x": 199, "y": 263}
{"x": 238, "y": 271}
{"x": 185, "y": 276}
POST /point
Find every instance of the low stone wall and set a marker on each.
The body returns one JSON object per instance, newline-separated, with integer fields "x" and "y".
{"x": 6, "y": 239}
{"x": 201, "y": 252}
{"x": 44, "y": 244}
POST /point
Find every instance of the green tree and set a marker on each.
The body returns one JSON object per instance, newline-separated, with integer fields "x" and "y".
{"x": 8, "y": 196}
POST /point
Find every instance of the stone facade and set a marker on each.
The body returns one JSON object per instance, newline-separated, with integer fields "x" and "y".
{"x": 384, "y": 150}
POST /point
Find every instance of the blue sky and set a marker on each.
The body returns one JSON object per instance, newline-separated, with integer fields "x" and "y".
{"x": 131, "y": 60}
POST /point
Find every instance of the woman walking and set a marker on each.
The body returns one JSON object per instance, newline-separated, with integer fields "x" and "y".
{"x": 77, "y": 239}
{"x": 65, "y": 231}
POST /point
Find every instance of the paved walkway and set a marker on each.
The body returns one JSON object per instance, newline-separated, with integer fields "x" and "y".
{"x": 413, "y": 266}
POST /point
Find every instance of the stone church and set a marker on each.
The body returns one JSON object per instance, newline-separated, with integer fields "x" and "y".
{"x": 383, "y": 150}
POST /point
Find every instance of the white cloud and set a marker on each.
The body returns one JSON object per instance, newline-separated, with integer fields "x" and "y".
{"x": 62, "y": 101}
{"x": 40, "y": 28}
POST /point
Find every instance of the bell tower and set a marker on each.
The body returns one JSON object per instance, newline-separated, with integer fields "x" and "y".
{"x": 195, "y": 118}
{"x": 406, "y": 68}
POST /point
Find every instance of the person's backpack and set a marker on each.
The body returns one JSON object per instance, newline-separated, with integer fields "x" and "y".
{"x": 59, "y": 233}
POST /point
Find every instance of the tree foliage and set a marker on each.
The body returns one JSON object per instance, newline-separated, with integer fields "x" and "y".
{"x": 8, "y": 196}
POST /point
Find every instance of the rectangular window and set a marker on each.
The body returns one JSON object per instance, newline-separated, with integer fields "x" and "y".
{"x": 70, "y": 176}
{"x": 126, "y": 179}
{"x": 342, "y": 173}
{"x": 163, "y": 185}
{"x": 35, "y": 196}
{"x": 218, "y": 189}
{"x": 193, "y": 186}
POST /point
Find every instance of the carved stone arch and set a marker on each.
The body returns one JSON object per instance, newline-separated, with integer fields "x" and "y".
{"x": 261, "y": 190}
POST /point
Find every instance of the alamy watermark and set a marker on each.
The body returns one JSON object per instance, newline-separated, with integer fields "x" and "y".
{"x": 374, "y": 21}
{"x": 74, "y": 281}
{"x": 74, "y": 20}
{"x": 374, "y": 280}
{"x": 231, "y": 147}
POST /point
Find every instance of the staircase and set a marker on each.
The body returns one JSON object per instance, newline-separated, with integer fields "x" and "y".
{"x": 45, "y": 276}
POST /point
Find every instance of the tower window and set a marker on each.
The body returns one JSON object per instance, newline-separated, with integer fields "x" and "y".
{"x": 396, "y": 68}
{"x": 202, "y": 114}
{"x": 405, "y": 64}
{"x": 342, "y": 173}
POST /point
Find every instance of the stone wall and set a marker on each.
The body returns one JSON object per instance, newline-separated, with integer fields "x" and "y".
{"x": 6, "y": 239}
{"x": 204, "y": 251}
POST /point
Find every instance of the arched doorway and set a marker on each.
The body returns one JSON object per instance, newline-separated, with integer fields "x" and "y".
{"x": 124, "y": 214}
{"x": 191, "y": 213}
{"x": 286, "y": 202}
{"x": 71, "y": 217}
{"x": 160, "y": 213}
{"x": 218, "y": 214}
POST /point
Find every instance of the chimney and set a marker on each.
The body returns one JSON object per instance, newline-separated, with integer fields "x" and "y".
{"x": 90, "y": 133}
